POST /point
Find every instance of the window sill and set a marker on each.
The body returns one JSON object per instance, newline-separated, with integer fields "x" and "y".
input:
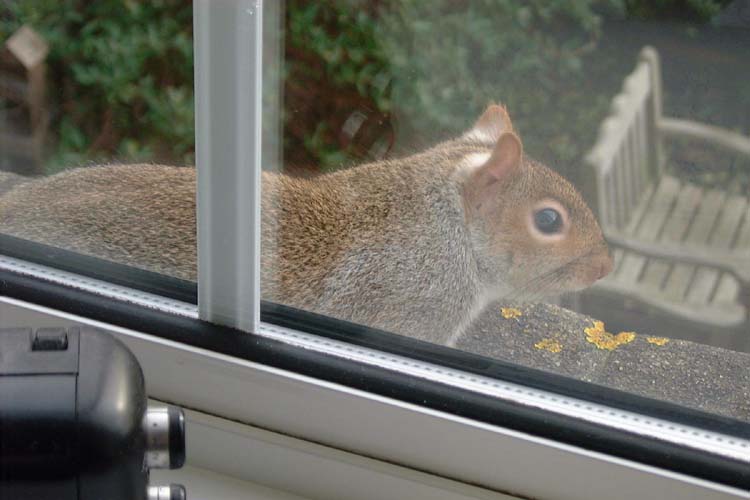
{"x": 362, "y": 423}
{"x": 261, "y": 464}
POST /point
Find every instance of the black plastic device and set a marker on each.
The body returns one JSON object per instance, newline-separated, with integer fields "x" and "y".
{"x": 75, "y": 422}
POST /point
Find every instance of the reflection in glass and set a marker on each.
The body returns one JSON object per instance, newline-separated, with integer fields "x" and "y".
{"x": 384, "y": 162}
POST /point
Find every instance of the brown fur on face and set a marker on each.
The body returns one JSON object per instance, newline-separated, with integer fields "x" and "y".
{"x": 540, "y": 266}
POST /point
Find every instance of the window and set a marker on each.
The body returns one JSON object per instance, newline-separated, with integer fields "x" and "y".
{"x": 398, "y": 226}
{"x": 74, "y": 96}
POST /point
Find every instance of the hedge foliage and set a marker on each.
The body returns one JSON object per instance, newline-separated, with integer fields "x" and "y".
{"x": 121, "y": 73}
{"x": 430, "y": 68}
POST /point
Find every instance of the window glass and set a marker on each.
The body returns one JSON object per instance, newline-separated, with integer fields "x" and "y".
{"x": 425, "y": 151}
{"x": 415, "y": 163}
{"x": 99, "y": 93}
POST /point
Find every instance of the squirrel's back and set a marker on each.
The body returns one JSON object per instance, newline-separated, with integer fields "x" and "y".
{"x": 417, "y": 245}
{"x": 360, "y": 236}
{"x": 142, "y": 215}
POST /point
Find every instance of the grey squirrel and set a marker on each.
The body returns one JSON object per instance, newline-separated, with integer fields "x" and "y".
{"x": 417, "y": 245}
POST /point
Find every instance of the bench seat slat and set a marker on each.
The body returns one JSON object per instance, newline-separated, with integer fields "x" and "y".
{"x": 675, "y": 229}
{"x": 631, "y": 226}
{"x": 684, "y": 213}
{"x": 706, "y": 279}
{"x": 742, "y": 245}
{"x": 648, "y": 227}
{"x": 681, "y": 277}
{"x": 728, "y": 287}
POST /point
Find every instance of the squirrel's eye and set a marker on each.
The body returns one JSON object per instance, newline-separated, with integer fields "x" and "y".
{"x": 548, "y": 220}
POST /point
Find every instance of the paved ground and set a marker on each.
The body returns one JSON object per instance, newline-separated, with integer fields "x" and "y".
{"x": 553, "y": 339}
{"x": 8, "y": 180}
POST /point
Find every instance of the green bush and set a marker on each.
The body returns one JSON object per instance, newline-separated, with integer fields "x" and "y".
{"x": 430, "y": 68}
{"x": 450, "y": 59}
{"x": 121, "y": 73}
{"x": 120, "y": 76}
{"x": 333, "y": 65}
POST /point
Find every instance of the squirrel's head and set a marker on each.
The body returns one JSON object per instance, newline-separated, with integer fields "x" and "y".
{"x": 532, "y": 232}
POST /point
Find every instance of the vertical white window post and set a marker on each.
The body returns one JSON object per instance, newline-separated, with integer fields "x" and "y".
{"x": 228, "y": 77}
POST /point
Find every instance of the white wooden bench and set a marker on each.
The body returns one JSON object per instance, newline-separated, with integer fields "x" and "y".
{"x": 682, "y": 252}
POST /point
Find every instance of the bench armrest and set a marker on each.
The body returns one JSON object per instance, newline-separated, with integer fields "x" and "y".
{"x": 737, "y": 266}
{"x": 727, "y": 139}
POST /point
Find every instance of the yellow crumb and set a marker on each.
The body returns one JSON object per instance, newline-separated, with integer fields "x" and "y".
{"x": 550, "y": 345}
{"x": 510, "y": 312}
{"x": 657, "y": 340}
{"x": 602, "y": 339}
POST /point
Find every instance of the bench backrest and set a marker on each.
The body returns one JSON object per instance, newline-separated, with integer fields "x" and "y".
{"x": 627, "y": 156}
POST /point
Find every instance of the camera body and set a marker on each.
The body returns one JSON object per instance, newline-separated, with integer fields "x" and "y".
{"x": 75, "y": 422}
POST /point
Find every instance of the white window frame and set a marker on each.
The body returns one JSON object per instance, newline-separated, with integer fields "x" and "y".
{"x": 463, "y": 451}
{"x": 228, "y": 89}
{"x": 352, "y": 425}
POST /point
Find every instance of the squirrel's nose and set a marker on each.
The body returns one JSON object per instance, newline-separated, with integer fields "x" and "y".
{"x": 605, "y": 266}
{"x": 599, "y": 265}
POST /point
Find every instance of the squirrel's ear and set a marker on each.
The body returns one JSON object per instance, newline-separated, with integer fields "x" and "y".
{"x": 505, "y": 158}
{"x": 493, "y": 123}
{"x": 481, "y": 186}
